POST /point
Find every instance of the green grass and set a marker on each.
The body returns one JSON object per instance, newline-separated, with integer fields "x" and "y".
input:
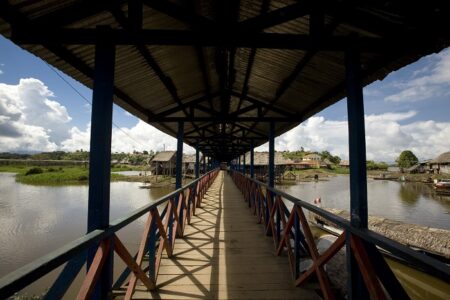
{"x": 118, "y": 168}
{"x": 339, "y": 170}
{"x": 14, "y": 169}
{"x": 53, "y": 175}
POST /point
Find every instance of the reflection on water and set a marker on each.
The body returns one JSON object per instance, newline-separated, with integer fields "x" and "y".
{"x": 44, "y": 218}
{"x": 410, "y": 202}
{"x": 408, "y": 195}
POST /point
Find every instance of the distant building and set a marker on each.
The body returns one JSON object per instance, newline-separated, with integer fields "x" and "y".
{"x": 163, "y": 163}
{"x": 420, "y": 167}
{"x": 312, "y": 157}
{"x": 344, "y": 164}
{"x": 440, "y": 164}
{"x": 261, "y": 163}
{"x": 189, "y": 163}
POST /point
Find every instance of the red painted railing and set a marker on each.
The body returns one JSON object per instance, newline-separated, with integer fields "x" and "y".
{"x": 159, "y": 235}
{"x": 292, "y": 233}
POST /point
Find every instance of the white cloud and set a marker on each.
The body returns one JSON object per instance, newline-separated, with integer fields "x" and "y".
{"x": 29, "y": 119}
{"x": 1, "y": 72}
{"x": 140, "y": 137}
{"x": 385, "y": 137}
{"x": 428, "y": 82}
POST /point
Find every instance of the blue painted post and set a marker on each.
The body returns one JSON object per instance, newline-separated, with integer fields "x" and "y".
{"x": 204, "y": 164}
{"x": 358, "y": 176}
{"x": 239, "y": 163}
{"x": 100, "y": 156}
{"x": 243, "y": 163}
{"x": 197, "y": 162}
{"x": 252, "y": 162}
{"x": 272, "y": 155}
{"x": 179, "y": 165}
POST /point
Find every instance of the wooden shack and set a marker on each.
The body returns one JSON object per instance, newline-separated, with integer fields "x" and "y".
{"x": 441, "y": 164}
{"x": 261, "y": 164}
{"x": 189, "y": 164}
{"x": 163, "y": 163}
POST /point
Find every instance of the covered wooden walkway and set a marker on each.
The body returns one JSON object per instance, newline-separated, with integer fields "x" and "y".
{"x": 224, "y": 254}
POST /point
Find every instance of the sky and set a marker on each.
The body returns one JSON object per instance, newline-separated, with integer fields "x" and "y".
{"x": 41, "y": 109}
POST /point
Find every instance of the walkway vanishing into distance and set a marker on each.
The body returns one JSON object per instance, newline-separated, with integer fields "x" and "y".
{"x": 224, "y": 254}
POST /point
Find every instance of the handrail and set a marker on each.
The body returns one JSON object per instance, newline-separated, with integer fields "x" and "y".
{"x": 270, "y": 208}
{"x": 425, "y": 262}
{"x": 20, "y": 278}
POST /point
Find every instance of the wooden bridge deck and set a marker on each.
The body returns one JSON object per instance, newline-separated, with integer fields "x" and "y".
{"x": 224, "y": 254}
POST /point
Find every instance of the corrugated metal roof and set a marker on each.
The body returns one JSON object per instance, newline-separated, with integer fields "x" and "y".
{"x": 164, "y": 156}
{"x": 151, "y": 80}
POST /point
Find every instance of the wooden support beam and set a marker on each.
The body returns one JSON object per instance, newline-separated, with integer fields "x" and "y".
{"x": 86, "y": 36}
{"x": 100, "y": 155}
{"x": 179, "y": 162}
{"x": 182, "y": 14}
{"x": 87, "y": 287}
{"x": 320, "y": 272}
{"x": 357, "y": 140}
{"x": 252, "y": 160}
{"x": 140, "y": 257}
{"x": 367, "y": 269}
{"x": 122, "y": 251}
{"x": 271, "y": 180}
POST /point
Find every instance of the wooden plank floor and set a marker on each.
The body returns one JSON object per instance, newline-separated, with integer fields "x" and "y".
{"x": 224, "y": 254}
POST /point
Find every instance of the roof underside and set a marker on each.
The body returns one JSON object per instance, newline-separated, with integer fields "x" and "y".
{"x": 227, "y": 68}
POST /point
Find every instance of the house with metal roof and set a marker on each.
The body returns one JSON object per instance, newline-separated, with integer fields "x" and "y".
{"x": 441, "y": 164}
{"x": 163, "y": 163}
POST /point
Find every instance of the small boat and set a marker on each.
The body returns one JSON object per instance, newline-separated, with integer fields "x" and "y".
{"x": 146, "y": 186}
{"x": 443, "y": 184}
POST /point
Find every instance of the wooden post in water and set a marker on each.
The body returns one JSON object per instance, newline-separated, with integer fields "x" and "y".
{"x": 100, "y": 155}
{"x": 358, "y": 176}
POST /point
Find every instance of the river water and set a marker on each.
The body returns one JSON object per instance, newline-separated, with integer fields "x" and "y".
{"x": 410, "y": 202}
{"x": 35, "y": 220}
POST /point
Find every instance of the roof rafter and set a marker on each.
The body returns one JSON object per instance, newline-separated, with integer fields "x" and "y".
{"x": 69, "y": 36}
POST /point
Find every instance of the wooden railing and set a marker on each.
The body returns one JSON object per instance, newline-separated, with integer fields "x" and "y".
{"x": 159, "y": 235}
{"x": 291, "y": 232}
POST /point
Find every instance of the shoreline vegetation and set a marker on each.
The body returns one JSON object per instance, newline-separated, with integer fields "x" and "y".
{"x": 78, "y": 175}
{"x": 58, "y": 175}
